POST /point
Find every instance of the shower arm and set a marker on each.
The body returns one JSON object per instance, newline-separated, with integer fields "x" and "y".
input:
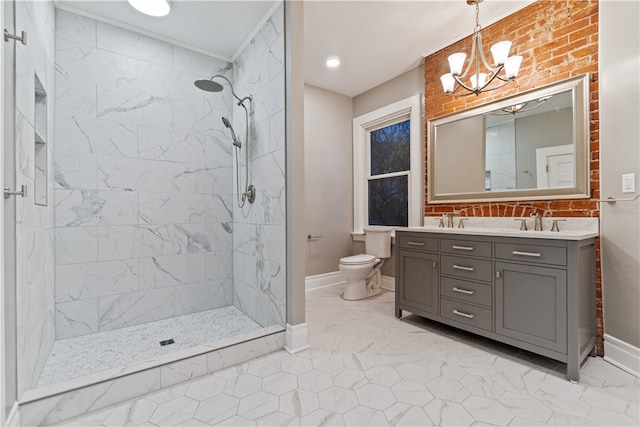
{"x": 240, "y": 100}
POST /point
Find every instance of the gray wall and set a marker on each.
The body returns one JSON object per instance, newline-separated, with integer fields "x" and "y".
{"x": 294, "y": 110}
{"x": 328, "y": 177}
{"x": 401, "y": 87}
{"x": 620, "y": 153}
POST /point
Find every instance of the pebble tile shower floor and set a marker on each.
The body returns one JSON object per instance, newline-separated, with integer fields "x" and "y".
{"x": 79, "y": 356}
{"x": 367, "y": 368}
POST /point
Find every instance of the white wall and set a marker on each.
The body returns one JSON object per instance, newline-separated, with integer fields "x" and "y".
{"x": 328, "y": 178}
{"x": 143, "y": 180}
{"x": 259, "y": 238}
{"x": 34, "y": 223}
{"x": 620, "y": 154}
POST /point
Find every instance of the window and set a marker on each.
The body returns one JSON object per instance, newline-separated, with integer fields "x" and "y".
{"x": 388, "y": 165}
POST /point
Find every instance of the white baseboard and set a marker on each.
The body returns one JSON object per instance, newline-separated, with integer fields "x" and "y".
{"x": 324, "y": 280}
{"x": 13, "y": 420}
{"x": 389, "y": 283}
{"x": 622, "y": 354}
{"x": 335, "y": 278}
{"x": 295, "y": 338}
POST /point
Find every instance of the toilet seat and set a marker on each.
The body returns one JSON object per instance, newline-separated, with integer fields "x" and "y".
{"x": 360, "y": 259}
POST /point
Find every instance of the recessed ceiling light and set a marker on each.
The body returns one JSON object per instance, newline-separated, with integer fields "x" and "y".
{"x": 151, "y": 7}
{"x": 333, "y": 61}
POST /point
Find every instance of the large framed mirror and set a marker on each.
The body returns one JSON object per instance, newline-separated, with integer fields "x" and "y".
{"x": 531, "y": 146}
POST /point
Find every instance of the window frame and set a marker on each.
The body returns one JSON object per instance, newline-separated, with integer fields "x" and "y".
{"x": 408, "y": 108}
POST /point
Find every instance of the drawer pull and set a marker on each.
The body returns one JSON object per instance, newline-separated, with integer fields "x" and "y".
{"x": 462, "y": 267}
{"x": 532, "y": 254}
{"x": 462, "y": 248}
{"x": 415, "y": 243}
{"x": 463, "y": 314}
{"x": 462, "y": 291}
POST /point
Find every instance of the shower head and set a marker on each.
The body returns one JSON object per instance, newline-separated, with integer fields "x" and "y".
{"x": 227, "y": 124}
{"x": 208, "y": 85}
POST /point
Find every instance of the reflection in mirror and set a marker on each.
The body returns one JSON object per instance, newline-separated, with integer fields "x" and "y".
{"x": 523, "y": 143}
{"x": 530, "y": 146}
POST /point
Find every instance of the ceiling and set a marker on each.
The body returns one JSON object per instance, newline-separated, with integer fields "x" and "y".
{"x": 376, "y": 40}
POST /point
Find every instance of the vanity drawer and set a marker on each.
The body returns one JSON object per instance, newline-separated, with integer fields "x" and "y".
{"x": 417, "y": 242}
{"x": 466, "y": 247}
{"x": 532, "y": 253}
{"x": 466, "y": 268}
{"x": 466, "y": 313}
{"x": 462, "y": 290}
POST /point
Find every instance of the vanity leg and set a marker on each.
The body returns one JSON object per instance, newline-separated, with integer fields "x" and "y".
{"x": 399, "y": 313}
{"x": 573, "y": 371}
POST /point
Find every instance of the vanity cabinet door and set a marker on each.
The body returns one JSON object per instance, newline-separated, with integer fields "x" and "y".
{"x": 418, "y": 277}
{"x": 531, "y": 304}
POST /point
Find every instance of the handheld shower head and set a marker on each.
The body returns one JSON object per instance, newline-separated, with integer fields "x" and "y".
{"x": 227, "y": 124}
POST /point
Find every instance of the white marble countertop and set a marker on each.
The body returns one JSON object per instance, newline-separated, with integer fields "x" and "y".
{"x": 570, "y": 229}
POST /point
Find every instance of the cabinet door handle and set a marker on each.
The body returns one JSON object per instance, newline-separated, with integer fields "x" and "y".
{"x": 463, "y": 314}
{"x": 415, "y": 243}
{"x": 533, "y": 254}
{"x": 463, "y": 291}
{"x": 498, "y": 274}
{"x": 462, "y": 248}
{"x": 434, "y": 264}
{"x": 462, "y": 267}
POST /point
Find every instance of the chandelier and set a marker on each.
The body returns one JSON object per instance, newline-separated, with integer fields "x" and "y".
{"x": 479, "y": 81}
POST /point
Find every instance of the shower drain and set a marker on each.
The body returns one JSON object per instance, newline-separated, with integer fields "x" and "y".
{"x": 167, "y": 342}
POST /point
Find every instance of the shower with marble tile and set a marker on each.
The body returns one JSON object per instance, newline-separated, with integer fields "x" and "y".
{"x": 152, "y": 256}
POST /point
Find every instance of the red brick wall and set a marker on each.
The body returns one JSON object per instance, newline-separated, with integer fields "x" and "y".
{"x": 558, "y": 40}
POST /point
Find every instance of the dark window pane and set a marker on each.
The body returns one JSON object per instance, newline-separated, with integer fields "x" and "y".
{"x": 390, "y": 148}
{"x": 389, "y": 201}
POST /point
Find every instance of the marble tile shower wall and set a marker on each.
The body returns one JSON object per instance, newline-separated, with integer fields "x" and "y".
{"x": 34, "y": 223}
{"x": 142, "y": 180}
{"x": 259, "y": 228}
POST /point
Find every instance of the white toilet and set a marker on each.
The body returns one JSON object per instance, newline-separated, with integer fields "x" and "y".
{"x": 362, "y": 271}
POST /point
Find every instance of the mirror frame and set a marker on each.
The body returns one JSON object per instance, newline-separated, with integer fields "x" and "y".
{"x": 581, "y": 118}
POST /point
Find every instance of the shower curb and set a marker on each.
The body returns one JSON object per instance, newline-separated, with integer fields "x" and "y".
{"x": 68, "y": 404}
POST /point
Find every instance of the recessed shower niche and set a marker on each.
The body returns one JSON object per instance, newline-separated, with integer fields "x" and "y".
{"x": 40, "y": 144}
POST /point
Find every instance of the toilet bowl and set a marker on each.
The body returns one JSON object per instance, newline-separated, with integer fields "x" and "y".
{"x": 362, "y": 272}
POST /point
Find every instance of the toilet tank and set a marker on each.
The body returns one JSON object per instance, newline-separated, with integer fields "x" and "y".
{"x": 378, "y": 242}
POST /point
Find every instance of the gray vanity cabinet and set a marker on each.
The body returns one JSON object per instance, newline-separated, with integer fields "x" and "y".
{"x": 531, "y": 304}
{"x": 534, "y": 294}
{"x": 418, "y": 276}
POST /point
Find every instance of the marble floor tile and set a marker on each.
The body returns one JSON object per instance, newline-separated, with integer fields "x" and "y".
{"x": 79, "y": 356}
{"x": 411, "y": 373}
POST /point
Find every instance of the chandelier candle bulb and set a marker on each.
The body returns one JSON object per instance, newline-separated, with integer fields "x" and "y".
{"x": 500, "y": 52}
{"x": 478, "y": 80}
{"x": 456, "y": 61}
{"x": 512, "y": 66}
{"x": 447, "y": 82}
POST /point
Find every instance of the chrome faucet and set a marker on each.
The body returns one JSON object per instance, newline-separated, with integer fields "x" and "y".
{"x": 538, "y": 221}
{"x": 449, "y": 220}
